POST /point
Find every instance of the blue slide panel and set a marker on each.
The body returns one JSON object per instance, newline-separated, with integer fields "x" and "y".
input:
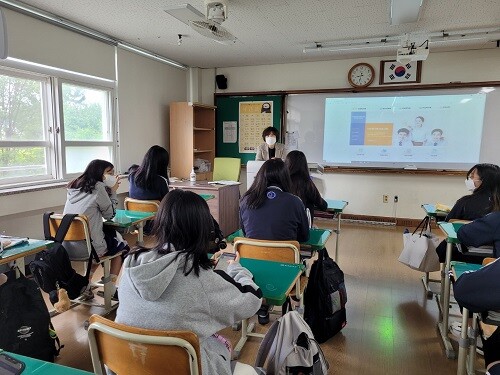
{"x": 357, "y": 135}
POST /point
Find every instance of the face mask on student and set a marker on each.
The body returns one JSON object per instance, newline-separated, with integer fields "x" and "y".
{"x": 469, "y": 184}
{"x": 109, "y": 180}
{"x": 270, "y": 140}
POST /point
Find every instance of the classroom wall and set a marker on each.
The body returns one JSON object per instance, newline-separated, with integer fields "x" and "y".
{"x": 145, "y": 88}
{"x": 364, "y": 191}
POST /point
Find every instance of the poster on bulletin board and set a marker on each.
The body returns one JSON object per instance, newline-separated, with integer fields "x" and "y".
{"x": 254, "y": 118}
{"x": 250, "y": 115}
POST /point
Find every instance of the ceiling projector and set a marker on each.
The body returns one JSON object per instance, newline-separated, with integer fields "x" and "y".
{"x": 408, "y": 54}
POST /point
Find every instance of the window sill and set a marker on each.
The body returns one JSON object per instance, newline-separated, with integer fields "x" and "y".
{"x": 32, "y": 188}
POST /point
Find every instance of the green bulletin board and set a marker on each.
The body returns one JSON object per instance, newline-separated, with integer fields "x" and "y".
{"x": 228, "y": 110}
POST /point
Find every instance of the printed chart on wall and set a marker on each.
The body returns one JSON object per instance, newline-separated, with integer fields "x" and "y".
{"x": 254, "y": 117}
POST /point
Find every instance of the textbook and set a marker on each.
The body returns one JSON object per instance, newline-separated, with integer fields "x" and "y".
{"x": 223, "y": 182}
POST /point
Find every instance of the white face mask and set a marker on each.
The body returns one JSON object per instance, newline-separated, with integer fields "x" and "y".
{"x": 469, "y": 184}
{"x": 109, "y": 180}
{"x": 270, "y": 140}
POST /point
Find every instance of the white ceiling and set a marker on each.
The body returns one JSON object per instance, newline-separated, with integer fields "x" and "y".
{"x": 272, "y": 31}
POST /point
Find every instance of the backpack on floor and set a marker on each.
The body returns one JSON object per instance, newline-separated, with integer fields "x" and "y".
{"x": 290, "y": 348}
{"x": 325, "y": 298}
{"x": 25, "y": 321}
{"x": 52, "y": 268}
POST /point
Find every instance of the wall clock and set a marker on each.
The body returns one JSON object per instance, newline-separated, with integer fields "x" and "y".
{"x": 361, "y": 75}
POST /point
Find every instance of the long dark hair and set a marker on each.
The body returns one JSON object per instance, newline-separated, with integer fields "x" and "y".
{"x": 92, "y": 174}
{"x": 296, "y": 164}
{"x": 272, "y": 173}
{"x": 487, "y": 173}
{"x": 155, "y": 163}
{"x": 183, "y": 222}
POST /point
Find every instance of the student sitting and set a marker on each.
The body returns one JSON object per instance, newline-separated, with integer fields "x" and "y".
{"x": 486, "y": 230}
{"x": 173, "y": 285}
{"x": 149, "y": 181}
{"x": 268, "y": 211}
{"x": 302, "y": 184}
{"x": 481, "y": 182}
{"x": 93, "y": 194}
{"x": 479, "y": 291}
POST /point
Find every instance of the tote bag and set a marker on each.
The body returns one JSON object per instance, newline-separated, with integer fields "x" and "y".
{"x": 419, "y": 248}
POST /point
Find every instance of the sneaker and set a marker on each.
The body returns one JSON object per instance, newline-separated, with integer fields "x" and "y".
{"x": 456, "y": 329}
{"x": 87, "y": 295}
{"x": 263, "y": 314}
{"x": 114, "y": 297}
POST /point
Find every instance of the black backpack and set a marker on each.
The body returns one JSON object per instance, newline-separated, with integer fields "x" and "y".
{"x": 25, "y": 321}
{"x": 325, "y": 298}
{"x": 52, "y": 268}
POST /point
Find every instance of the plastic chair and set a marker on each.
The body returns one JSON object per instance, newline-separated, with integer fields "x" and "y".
{"x": 227, "y": 169}
{"x": 131, "y": 350}
{"x": 141, "y": 205}
{"x": 277, "y": 251}
{"x": 79, "y": 231}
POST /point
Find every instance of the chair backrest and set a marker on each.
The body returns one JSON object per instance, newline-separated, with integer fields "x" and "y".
{"x": 131, "y": 350}
{"x": 78, "y": 231}
{"x": 278, "y": 251}
{"x": 227, "y": 169}
{"x": 141, "y": 205}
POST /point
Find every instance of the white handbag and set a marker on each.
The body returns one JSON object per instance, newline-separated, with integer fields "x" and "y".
{"x": 419, "y": 248}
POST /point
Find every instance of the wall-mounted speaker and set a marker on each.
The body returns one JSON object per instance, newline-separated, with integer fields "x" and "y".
{"x": 3, "y": 36}
{"x": 221, "y": 81}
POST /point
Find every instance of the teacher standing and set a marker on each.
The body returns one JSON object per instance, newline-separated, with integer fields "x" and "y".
{"x": 270, "y": 149}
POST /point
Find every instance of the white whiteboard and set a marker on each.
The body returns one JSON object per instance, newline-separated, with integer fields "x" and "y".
{"x": 306, "y": 117}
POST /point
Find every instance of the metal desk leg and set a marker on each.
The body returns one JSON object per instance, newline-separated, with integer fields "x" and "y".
{"x": 140, "y": 233}
{"x": 473, "y": 333}
{"x": 336, "y": 258}
{"x": 463, "y": 344}
{"x": 19, "y": 267}
{"x": 445, "y": 305}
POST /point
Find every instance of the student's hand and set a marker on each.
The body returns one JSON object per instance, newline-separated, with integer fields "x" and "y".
{"x": 216, "y": 256}
{"x": 235, "y": 260}
{"x": 115, "y": 187}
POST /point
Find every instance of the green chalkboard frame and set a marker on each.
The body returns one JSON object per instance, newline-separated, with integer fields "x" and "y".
{"x": 228, "y": 110}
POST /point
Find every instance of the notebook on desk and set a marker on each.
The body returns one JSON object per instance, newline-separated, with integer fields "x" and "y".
{"x": 223, "y": 182}
{"x": 8, "y": 242}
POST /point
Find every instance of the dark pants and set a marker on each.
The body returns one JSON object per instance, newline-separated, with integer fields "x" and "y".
{"x": 491, "y": 348}
{"x": 457, "y": 255}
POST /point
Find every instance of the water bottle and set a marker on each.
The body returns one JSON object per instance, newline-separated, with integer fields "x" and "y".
{"x": 192, "y": 176}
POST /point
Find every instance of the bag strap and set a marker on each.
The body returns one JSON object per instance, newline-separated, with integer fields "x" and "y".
{"x": 46, "y": 225}
{"x": 422, "y": 225}
{"x": 320, "y": 351}
{"x": 265, "y": 345}
{"x": 64, "y": 227}
{"x": 53, "y": 335}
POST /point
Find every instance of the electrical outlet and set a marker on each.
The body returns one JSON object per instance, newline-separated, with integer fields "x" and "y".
{"x": 385, "y": 198}
{"x": 396, "y": 199}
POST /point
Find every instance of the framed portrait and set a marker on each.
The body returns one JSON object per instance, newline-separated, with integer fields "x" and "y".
{"x": 392, "y": 72}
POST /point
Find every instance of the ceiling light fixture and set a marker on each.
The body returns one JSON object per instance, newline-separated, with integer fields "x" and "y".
{"x": 405, "y": 41}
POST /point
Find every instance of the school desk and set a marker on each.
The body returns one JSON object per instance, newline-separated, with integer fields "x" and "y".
{"x": 39, "y": 367}
{"x": 337, "y": 207}
{"x": 466, "y": 343}
{"x": 276, "y": 280}
{"x": 224, "y": 206}
{"x": 124, "y": 219}
{"x": 317, "y": 239}
{"x": 17, "y": 253}
{"x": 449, "y": 230}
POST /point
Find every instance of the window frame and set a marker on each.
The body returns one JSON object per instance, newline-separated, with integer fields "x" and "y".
{"x": 53, "y": 125}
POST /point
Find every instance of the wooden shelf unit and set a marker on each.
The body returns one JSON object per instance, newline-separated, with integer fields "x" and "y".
{"x": 192, "y": 136}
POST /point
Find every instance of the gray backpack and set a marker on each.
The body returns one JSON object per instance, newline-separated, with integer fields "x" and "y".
{"x": 289, "y": 348}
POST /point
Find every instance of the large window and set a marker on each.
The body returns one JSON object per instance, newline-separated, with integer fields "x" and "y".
{"x": 50, "y": 129}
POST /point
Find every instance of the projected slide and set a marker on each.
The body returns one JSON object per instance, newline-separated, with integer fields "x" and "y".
{"x": 410, "y": 129}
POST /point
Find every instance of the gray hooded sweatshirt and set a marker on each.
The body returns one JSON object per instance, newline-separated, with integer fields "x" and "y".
{"x": 96, "y": 206}
{"x": 155, "y": 294}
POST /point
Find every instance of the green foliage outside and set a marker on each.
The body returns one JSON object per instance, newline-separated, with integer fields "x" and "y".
{"x": 21, "y": 119}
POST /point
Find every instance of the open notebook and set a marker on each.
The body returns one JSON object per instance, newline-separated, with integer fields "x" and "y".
{"x": 8, "y": 242}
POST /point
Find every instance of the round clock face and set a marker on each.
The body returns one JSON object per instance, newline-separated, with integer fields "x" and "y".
{"x": 361, "y": 75}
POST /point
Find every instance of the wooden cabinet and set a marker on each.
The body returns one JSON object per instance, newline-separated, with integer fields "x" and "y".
{"x": 192, "y": 136}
